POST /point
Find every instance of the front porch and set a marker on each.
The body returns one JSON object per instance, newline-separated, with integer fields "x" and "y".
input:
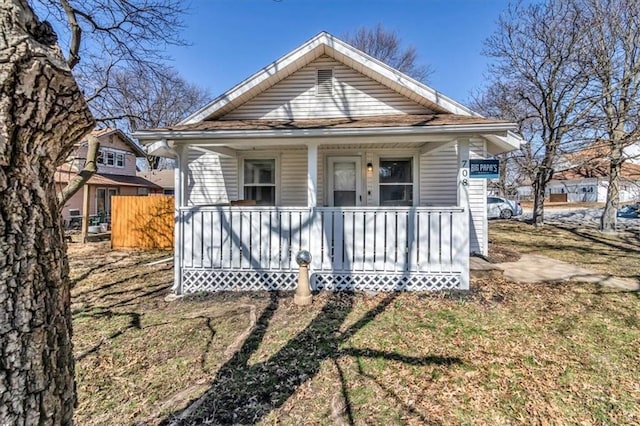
{"x": 373, "y": 216}
{"x": 352, "y": 248}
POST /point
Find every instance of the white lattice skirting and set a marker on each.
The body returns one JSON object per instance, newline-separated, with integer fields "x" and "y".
{"x": 208, "y": 280}
{"x": 385, "y": 282}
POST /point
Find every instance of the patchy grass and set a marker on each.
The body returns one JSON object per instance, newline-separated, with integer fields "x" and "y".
{"x": 501, "y": 353}
{"x": 614, "y": 254}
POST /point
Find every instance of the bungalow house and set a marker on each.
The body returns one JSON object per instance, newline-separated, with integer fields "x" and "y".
{"x": 116, "y": 175}
{"x": 329, "y": 150}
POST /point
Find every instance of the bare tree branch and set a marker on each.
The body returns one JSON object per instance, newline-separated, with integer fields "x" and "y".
{"x": 79, "y": 180}
{"x": 386, "y": 46}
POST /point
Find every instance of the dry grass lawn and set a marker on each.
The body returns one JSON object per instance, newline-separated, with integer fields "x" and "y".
{"x": 499, "y": 354}
{"x": 614, "y": 254}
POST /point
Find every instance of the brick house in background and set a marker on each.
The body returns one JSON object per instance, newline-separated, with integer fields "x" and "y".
{"x": 116, "y": 174}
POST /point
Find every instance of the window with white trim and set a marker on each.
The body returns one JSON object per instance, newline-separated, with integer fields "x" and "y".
{"x": 109, "y": 157}
{"x": 396, "y": 181}
{"x": 259, "y": 181}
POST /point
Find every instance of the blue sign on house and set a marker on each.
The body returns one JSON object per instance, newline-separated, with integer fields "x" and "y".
{"x": 485, "y": 169}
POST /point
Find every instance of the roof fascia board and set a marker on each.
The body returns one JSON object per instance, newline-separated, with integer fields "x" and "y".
{"x": 501, "y": 129}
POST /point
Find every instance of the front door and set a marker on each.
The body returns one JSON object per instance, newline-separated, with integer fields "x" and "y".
{"x": 345, "y": 181}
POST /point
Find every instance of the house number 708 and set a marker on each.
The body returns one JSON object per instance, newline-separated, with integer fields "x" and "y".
{"x": 465, "y": 173}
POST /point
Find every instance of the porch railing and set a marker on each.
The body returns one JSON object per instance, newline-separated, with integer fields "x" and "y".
{"x": 354, "y": 240}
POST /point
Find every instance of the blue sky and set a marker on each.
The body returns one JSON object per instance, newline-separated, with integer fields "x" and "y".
{"x": 232, "y": 39}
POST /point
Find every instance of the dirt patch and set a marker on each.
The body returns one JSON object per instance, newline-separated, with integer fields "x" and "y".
{"x": 499, "y": 253}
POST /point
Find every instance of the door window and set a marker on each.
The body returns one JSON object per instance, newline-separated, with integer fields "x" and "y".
{"x": 344, "y": 181}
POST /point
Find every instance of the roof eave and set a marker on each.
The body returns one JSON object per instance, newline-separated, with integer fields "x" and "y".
{"x": 503, "y": 131}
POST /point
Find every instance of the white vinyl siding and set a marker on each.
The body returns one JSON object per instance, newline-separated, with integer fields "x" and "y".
{"x": 478, "y": 203}
{"x": 293, "y": 178}
{"x": 438, "y": 178}
{"x": 353, "y": 95}
{"x": 438, "y": 188}
{"x": 212, "y": 179}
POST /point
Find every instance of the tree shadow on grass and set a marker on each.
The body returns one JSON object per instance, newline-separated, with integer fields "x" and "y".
{"x": 243, "y": 393}
{"x": 628, "y": 245}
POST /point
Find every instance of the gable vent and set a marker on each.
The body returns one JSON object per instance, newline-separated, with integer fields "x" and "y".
{"x": 325, "y": 82}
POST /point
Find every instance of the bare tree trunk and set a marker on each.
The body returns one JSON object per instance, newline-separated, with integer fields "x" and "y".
{"x": 42, "y": 114}
{"x": 608, "y": 219}
{"x": 539, "y": 187}
{"x": 502, "y": 179}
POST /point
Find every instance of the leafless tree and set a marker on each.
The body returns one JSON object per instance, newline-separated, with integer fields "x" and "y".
{"x": 611, "y": 58}
{"x": 140, "y": 97}
{"x": 42, "y": 115}
{"x": 536, "y": 50}
{"x": 386, "y": 46}
{"x": 105, "y": 37}
{"x": 517, "y": 168}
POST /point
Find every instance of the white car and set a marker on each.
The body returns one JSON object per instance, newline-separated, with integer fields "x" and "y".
{"x": 498, "y": 207}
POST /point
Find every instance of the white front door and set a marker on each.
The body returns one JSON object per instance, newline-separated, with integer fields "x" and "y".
{"x": 345, "y": 181}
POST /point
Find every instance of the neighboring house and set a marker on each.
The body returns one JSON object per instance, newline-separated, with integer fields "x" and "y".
{"x": 116, "y": 174}
{"x": 584, "y": 176}
{"x": 163, "y": 178}
{"x": 589, "y": 183}
{"x": 329, "y": 150}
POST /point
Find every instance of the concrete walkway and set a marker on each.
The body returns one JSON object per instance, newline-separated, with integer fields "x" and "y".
{"x": 537, "y": 268}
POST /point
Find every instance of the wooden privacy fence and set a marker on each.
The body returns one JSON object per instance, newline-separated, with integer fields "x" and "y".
{"x": 142, "y": 222}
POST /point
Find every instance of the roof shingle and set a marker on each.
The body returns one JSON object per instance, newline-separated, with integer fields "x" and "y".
{"x": 404, "y": 120}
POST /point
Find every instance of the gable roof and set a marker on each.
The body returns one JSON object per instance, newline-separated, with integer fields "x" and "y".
{"x": 597, "y": 169}
{"x": 326, "y": 44}
{"x": 105, "y": 179}
{"x": 107, "y": 131}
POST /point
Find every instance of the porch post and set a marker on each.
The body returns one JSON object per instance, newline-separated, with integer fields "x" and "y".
{"x": 315, "y": 217}
{"x": 179, "y": 191}
{"x": 461, "y": 238}
{"x": 312, "y": 173}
